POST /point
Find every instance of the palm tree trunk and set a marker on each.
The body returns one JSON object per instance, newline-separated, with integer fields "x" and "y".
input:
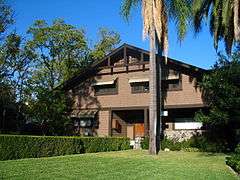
{"x": 153, "y": 106}
{"x": 236, "y": 20}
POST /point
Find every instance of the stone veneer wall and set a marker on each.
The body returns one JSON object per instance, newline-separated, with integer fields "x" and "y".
{"x": 181, "y": 135}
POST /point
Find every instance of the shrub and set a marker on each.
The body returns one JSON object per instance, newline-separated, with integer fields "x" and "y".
{"x": 237, "y": 150}
{"x": 196, "y": 143}
{"x": 205, "y": 144}
{"x": 234, "y": 160}
{"x": 18, "y": 147}
{"x": 166, "y": 143}
{"x": 145, "y": 143}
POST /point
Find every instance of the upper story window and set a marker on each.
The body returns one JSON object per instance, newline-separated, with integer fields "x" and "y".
{"x": 174, "y": 85}
{"x": 173, "y": 80}
{"x": 139, "y": 85}
{"x": 106, "y": 88}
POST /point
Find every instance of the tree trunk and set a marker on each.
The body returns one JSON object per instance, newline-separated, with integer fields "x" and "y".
{"x": 154, "y": 98}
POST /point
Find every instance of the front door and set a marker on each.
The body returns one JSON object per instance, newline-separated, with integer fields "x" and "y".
{"x": 139, "y": 130}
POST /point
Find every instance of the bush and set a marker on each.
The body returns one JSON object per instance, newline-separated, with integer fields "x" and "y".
{"x": 234, "y": 160}
{"x": 166, "y": 143}
{"x": 206, "y": 144}
{"x": 196, "y": 143}
{"x": 145, "y": 143}
{"x": 18, "y": 147}
{"x": 237, "y": 150}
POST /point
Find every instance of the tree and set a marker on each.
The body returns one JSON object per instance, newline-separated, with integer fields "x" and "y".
{"x": 221, "y": 89}
{"x": 61, "y": 52}
{"x": 13, "y": 66}
{"x": 155, "y": 24}
{"x": 223, "y": 20}
{"x": 6, "y": 16}
{"x": 107, "y": 42}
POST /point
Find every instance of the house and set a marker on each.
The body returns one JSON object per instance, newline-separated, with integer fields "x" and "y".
{"x": 111, "y": 98}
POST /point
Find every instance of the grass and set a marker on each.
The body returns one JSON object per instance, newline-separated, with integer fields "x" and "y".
{"x": 120, "y": 165}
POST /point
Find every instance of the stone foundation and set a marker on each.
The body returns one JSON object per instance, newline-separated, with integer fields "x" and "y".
{"x": 181, "y": 135}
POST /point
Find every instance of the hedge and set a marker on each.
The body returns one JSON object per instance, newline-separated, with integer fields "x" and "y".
{"x": 18, "y": 146}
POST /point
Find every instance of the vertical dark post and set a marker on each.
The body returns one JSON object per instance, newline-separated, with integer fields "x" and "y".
{"x": 109, "y": 61}
{"x": 125, "y": 57}
{"x": 146, "y": 122}
{"x": 125, "y": 54}
{"x": 110, "y": 123}
{"x": 141, "y": 57}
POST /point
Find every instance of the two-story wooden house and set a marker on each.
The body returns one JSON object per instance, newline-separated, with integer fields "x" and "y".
{"x": 111, "y": 98}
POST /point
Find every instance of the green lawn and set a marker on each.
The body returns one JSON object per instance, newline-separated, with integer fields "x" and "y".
{"x": 120, "y": 165}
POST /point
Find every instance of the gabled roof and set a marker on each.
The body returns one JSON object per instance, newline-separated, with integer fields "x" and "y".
{"x": 94, "y": 66}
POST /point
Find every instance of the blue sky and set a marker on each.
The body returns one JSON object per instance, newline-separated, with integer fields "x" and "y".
{"x": 92, "y": 14}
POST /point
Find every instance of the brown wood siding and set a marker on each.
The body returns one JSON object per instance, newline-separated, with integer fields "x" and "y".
{"x": 125, "y": 98}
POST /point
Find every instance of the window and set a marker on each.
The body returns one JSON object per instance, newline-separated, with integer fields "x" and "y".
{"x": 140, "y": 87}
{"x": 174, "y": 85}
{"x": 108, "y": 89}
{"x": 85, "y": 126}
{"x": 172, "y": 80}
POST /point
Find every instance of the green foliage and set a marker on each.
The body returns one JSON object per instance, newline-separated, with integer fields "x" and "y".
{"x": 18, "y": 147}
{"x": 180, "y": 12}
{"x": 49, "y": 112}
{"x": 221, "y": 91}
{"x": 145, "y": 143}
{"x": 237, "y": 149}
{"x": 194, "y": 144}
{"x": 61, "y": 52}
{"x": 127, "y": 6}
{"x": 6, "y": 18}
{"x": 221, "y": 18}
{"x": 107, "y": 42}
{"x": 177, "y": 10}
{"x": 234, "y": 160}
{"x": 31, "y": 68}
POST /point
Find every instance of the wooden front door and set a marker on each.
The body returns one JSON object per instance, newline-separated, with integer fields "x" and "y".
{"x": 139, "y": 129}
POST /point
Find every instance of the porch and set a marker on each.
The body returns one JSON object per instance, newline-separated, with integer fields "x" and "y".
{"x": 129, "y": 123}
{"x": 179, "y": 123}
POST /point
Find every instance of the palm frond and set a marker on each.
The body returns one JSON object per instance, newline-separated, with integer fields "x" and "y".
{"x": 127, "y": 6}
{"x": 180, "y": 11}
{"x": 224, "y": 20}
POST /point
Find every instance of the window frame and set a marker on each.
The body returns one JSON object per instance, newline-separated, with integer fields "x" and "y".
{"x": 179, "y": 88}
{"x": 107, "y": 92}
{"x": 134, "y": 91}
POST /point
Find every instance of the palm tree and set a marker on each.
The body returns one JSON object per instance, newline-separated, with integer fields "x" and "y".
{"x": 155, "y": 15}
{"x": 223, "y": 20}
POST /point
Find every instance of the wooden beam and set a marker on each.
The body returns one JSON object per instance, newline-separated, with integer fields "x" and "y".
{"x": 146, "y": 122}
{"x": 110, "y": 123}
{"x": 125, "y": 58}
{"x": 125, "y": 55}
{"x": 141, "y": 57}
{"x": 109, "y": 61}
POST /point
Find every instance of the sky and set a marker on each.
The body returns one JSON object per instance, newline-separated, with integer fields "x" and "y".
{"x": 93, "y": 14}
